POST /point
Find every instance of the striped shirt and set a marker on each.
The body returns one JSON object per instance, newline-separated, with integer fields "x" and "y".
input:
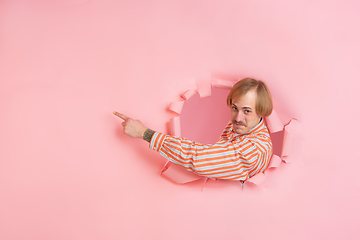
{"x": 233, "y": 157}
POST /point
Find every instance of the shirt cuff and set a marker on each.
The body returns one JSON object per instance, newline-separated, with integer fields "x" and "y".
{"x": 157, "y": 141}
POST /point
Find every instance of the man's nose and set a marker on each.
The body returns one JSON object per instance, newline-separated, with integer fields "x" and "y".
{"x": 239, "y": 117}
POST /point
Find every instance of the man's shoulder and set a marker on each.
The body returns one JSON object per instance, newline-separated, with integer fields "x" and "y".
{"x": 260, "y": 136}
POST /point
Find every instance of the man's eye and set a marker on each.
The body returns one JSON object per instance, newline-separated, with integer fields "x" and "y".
{"x": 247, "y": 111}
{"x": 234, "y": 108}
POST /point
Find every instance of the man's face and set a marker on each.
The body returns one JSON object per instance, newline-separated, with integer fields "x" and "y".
{"x": 243, "y": 114}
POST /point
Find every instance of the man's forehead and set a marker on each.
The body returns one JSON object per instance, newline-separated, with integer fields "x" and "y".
{"x": 246, "y": 100}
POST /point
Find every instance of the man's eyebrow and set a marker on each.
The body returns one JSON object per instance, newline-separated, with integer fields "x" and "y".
{"x": 244, "y": 108}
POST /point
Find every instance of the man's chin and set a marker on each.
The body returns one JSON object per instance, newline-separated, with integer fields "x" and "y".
{"x": 240, "y": 131}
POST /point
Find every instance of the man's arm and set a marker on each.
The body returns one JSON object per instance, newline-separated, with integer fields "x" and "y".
{"x": 224, "y": 160}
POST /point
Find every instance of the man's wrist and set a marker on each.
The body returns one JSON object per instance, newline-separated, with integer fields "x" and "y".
{"x": 148, "y": 135}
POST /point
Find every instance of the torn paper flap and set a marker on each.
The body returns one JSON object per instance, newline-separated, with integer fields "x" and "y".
{"x": 275, "y": 161}
{"x": 175, "y": 129}
{"x": 203, "y": 186}
{"x": 188, "y": 94}
{"x": 291, "y": 130}
{"x": 179, "y": 174}
{"x": 177, "y": 106}
{"x": 165, "y": 167}
{"x": 257, "y": 179}
{"x": 222, "y": 83}
{"x": 274, "y": 123}
{"x": 204, "y": 88}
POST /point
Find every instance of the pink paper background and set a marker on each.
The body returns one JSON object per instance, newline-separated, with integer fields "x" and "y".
{"x": 68, "y": 172}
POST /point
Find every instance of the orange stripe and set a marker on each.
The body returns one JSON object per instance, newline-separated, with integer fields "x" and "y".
{"x": 156, "y": 142}
{"x": 251, "y": 152}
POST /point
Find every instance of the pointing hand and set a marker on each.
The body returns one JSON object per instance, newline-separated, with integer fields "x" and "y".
{"x": 132, "y": 128}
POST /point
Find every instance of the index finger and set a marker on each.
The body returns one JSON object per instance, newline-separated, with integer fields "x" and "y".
{"x": 122, "y": 116}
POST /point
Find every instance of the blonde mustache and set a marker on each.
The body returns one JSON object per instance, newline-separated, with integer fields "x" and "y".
{"x": 242, "y": 123}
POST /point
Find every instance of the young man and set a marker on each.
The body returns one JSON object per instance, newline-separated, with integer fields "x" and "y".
{"x": 244, "y": 148}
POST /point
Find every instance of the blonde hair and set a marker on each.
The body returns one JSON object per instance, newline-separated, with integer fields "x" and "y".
{"x": 264, "y": 103}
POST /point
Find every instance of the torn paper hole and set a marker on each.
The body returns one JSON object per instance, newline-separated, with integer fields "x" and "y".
{"x": 179, "y": 174}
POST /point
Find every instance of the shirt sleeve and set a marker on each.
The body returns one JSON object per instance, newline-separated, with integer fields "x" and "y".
{"x": 233, "y": 160}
